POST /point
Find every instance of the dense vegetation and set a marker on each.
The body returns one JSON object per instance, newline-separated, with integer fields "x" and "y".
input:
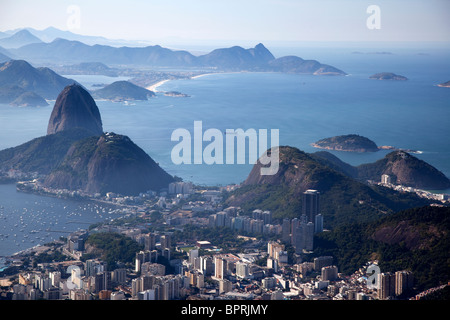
{"x": 423, "y": 246}
{"x": 112, "y": 248}
{"x": 350, "y": 142}
{"x": 346, "y": 201}
{"x": 343, "y": 199}
{"x": 41, "y": 154}
{"x": 404, "y": 169}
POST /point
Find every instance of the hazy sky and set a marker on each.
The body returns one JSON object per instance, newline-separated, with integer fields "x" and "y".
{"x": 255, "y": 20}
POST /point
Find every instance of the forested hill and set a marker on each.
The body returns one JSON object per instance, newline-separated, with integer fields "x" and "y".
{"x": 416, "y": 239}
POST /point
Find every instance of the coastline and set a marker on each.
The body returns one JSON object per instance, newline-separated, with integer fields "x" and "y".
{"x": 366, "y": 151}
{"x": 341, "y": 149}
{"x": 201, "y": 75}
{"x": 154, "y": 87}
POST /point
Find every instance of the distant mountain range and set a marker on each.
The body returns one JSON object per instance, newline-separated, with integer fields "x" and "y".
{"x": 86, "y": 68}
{"x": 19, "y": 39}
{"x": 235, "y": 58}
{"x": 51, "y": 33}
{"x": 56, "y": 46}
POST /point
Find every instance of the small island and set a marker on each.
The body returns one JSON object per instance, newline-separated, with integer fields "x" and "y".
{"x": 445, "y": 84}
{"x": 355, "y": 143}
{"x": 388, "y": 76}
{"x": 350, "y": 142}
{"x": 176, "y": 94}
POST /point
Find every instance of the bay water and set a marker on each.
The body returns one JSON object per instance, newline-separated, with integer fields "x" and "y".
{"x": 413, "y": 114}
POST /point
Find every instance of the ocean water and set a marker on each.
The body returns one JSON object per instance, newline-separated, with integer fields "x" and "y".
{"x": 413, "y": 114}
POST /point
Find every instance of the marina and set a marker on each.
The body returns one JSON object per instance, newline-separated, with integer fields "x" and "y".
{"x": 28, "y": 220}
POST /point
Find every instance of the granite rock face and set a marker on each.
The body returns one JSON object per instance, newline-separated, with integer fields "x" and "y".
{"x": 75, "y": 108}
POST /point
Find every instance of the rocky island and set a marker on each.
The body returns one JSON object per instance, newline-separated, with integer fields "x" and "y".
{"x": 355, "y": 143}
{"x": 176, "y": 94}
{"x": 350, "y": 142}
{"x": 388, "y": 76}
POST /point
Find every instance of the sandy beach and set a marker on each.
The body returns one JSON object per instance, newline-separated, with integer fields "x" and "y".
{"x": 155, "y": 86}
{"x": 201, "y": 75}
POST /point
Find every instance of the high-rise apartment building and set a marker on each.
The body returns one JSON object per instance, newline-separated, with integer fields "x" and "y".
{"x": 318, "y": 223}
{"x": 304, "y": 237}
{"x": 329, "y": 273}
{"x": 286, "y": 230}
{"x": 404, "y": 281}
{"x": 150, "y": 242}
{"x": 386, "y": 285}
{"x": 311, "y": 204}
{"x": 165, "y": 241}
{"x": 220, "y": 268}
{"x": 242, "y": 270}
{"x": 322, "y": 261}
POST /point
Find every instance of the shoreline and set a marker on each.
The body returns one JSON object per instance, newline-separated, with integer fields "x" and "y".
{"x": 366, "y": 151}
{"x": 202, "y": 75}
{"x": 155, "y": 86}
